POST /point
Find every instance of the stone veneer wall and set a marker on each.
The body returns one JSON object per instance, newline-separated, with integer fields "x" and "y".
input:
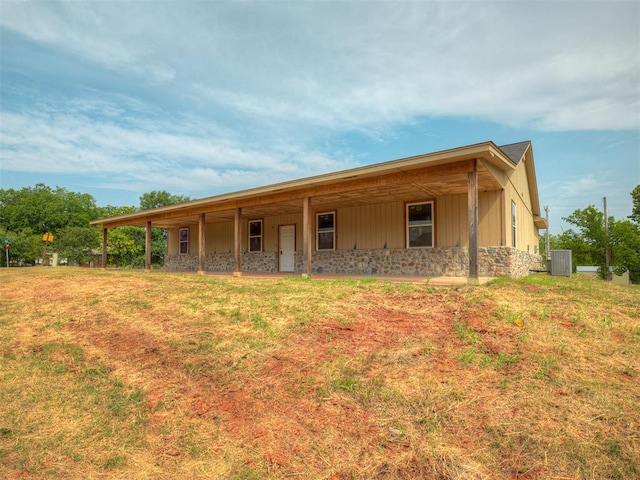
{"x": 421, "y": 262}
{"x": 224, "y": 262}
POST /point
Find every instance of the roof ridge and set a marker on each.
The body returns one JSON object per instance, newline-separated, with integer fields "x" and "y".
{"x": 515, "y": 150}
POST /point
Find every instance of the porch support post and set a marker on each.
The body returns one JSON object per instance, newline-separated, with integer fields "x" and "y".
{"x": 307, "y": 236}
{"x": 201, "y": 244}
{"x": 472, "y": 211}
{"x": 147, "y": 248}
{"x": 237, "y": 272}
{"x": 104, "y": 247}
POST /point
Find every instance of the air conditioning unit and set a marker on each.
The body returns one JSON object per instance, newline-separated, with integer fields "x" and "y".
{"x": 560, "y": 263}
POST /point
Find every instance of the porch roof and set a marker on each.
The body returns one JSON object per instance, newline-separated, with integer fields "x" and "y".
{"x": 408, "y": 179}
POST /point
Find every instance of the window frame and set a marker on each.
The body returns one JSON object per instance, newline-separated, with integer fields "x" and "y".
{"x": 429, "y": 223}
{"x": 325, "y": 230}
{"x": 260, "y": 236}
{"x": 514, "y": 224}
{"x": 183, "y": 241}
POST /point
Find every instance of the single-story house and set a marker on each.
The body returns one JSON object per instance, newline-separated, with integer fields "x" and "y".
{"x": 471, "y": 211}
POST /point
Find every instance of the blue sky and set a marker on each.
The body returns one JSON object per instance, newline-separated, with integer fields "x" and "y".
{"x": 117, "y": 99}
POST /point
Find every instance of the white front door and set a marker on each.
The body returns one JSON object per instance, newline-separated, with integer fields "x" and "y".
{"x": 287, "y": 247}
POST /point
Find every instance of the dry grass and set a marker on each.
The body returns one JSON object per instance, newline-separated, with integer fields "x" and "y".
{"x": 133, "y": 375}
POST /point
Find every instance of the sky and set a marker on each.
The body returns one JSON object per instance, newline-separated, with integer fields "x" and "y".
{"x": 198, "y": 98}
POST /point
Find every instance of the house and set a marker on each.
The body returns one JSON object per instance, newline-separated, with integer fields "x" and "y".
{"x": 471, "y": 211}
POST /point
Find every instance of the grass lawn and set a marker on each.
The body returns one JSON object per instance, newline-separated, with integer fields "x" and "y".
{"x": 117, "y": 374}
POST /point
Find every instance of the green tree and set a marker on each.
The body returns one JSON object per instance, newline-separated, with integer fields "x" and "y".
{"x": 25, "y": 247}
{"x": 27, "y": 213}
{"x": 126, "y": 246}
{"x": 160, "y": 198}
{"x": 635, "y": 212}
{"x": 589, "y": 242}
{"x": 42, "y": 209}
{"x": 78, "y": 244}
{"x": 625, "y": 248}
{"x": 111, "y": 211}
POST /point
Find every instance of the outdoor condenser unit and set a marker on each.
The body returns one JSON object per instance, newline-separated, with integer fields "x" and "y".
{"x": 561, "y": 263}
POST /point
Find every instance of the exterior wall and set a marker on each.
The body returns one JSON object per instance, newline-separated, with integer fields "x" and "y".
{"x": 371, "y": 226}
{"x": 517, "y": 190}
{"x": 422, "y": 262}
{"x": 365, "y": 226}
{"x": 452, "y": 226}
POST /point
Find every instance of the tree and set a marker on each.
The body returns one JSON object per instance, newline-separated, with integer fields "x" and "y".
{"x": 589, "y": 243}
{"x": 42, "y": 209}
{"x": 625, "y": 248}
{"x": 25, "y": 247}
{"x": 635, "y": 212}
{"x": 126, "y": 246}
{"x": 78, "y": 244}
{"x": 160, "y": 198}
{"x": 29, "y": 212}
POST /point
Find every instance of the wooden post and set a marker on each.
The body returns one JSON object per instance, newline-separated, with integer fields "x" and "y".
{"x": 237, "y": 272}
{"x": 147, "y": 248}
{"x": 307, "y": 236}
{"x": 472, "y": 206}
{"x": 104, "y": 247}
{"x": 201, "y": 244}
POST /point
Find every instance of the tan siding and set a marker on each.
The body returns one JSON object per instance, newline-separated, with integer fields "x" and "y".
{"x": 489, "y": 218}
{"x": 172, "y": 241}
{"x": 220, "y": 237}
{"x": 518, "y": 191}
{"x": 451, "y": 221}
{"x": 371, "y": 226}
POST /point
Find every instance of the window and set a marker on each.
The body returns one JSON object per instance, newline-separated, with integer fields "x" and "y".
{"x": 420, "y": 225}
{"x": 255, "y": 235}
{"x": 513, "y": 223}
{"x": 325, "y": 223}
{"x": 184, "y": 240}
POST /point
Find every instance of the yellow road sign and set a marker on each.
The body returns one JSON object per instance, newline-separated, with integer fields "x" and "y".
{"x": 47, "y": 237}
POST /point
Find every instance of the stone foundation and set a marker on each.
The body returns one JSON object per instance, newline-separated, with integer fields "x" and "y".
{"x": 262, "y": 262}
{"x": 418, "y": 262}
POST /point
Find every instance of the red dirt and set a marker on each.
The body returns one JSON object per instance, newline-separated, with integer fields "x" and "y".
{"x": 274, "y": 409}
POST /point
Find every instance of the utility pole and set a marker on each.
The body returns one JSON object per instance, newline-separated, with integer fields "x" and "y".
{"x": 547, "y": 243}
{"x": 607, "y": 250}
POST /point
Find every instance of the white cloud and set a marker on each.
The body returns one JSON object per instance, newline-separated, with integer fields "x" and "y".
{"x": 139, "y": 151}
{"x": 344, "y": 66}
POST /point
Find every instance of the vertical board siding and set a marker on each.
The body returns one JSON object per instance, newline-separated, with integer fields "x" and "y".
{"x": 489, "y": 218}
{"x": 453, "y": 225}
{"x": 370, "y": 226}
{"x": 452, "y": 222}
{"x": 518, "y": 191}
{"x": 220, "y": 237}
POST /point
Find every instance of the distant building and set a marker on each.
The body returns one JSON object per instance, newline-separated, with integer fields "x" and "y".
{"x": 592, "y": 271}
